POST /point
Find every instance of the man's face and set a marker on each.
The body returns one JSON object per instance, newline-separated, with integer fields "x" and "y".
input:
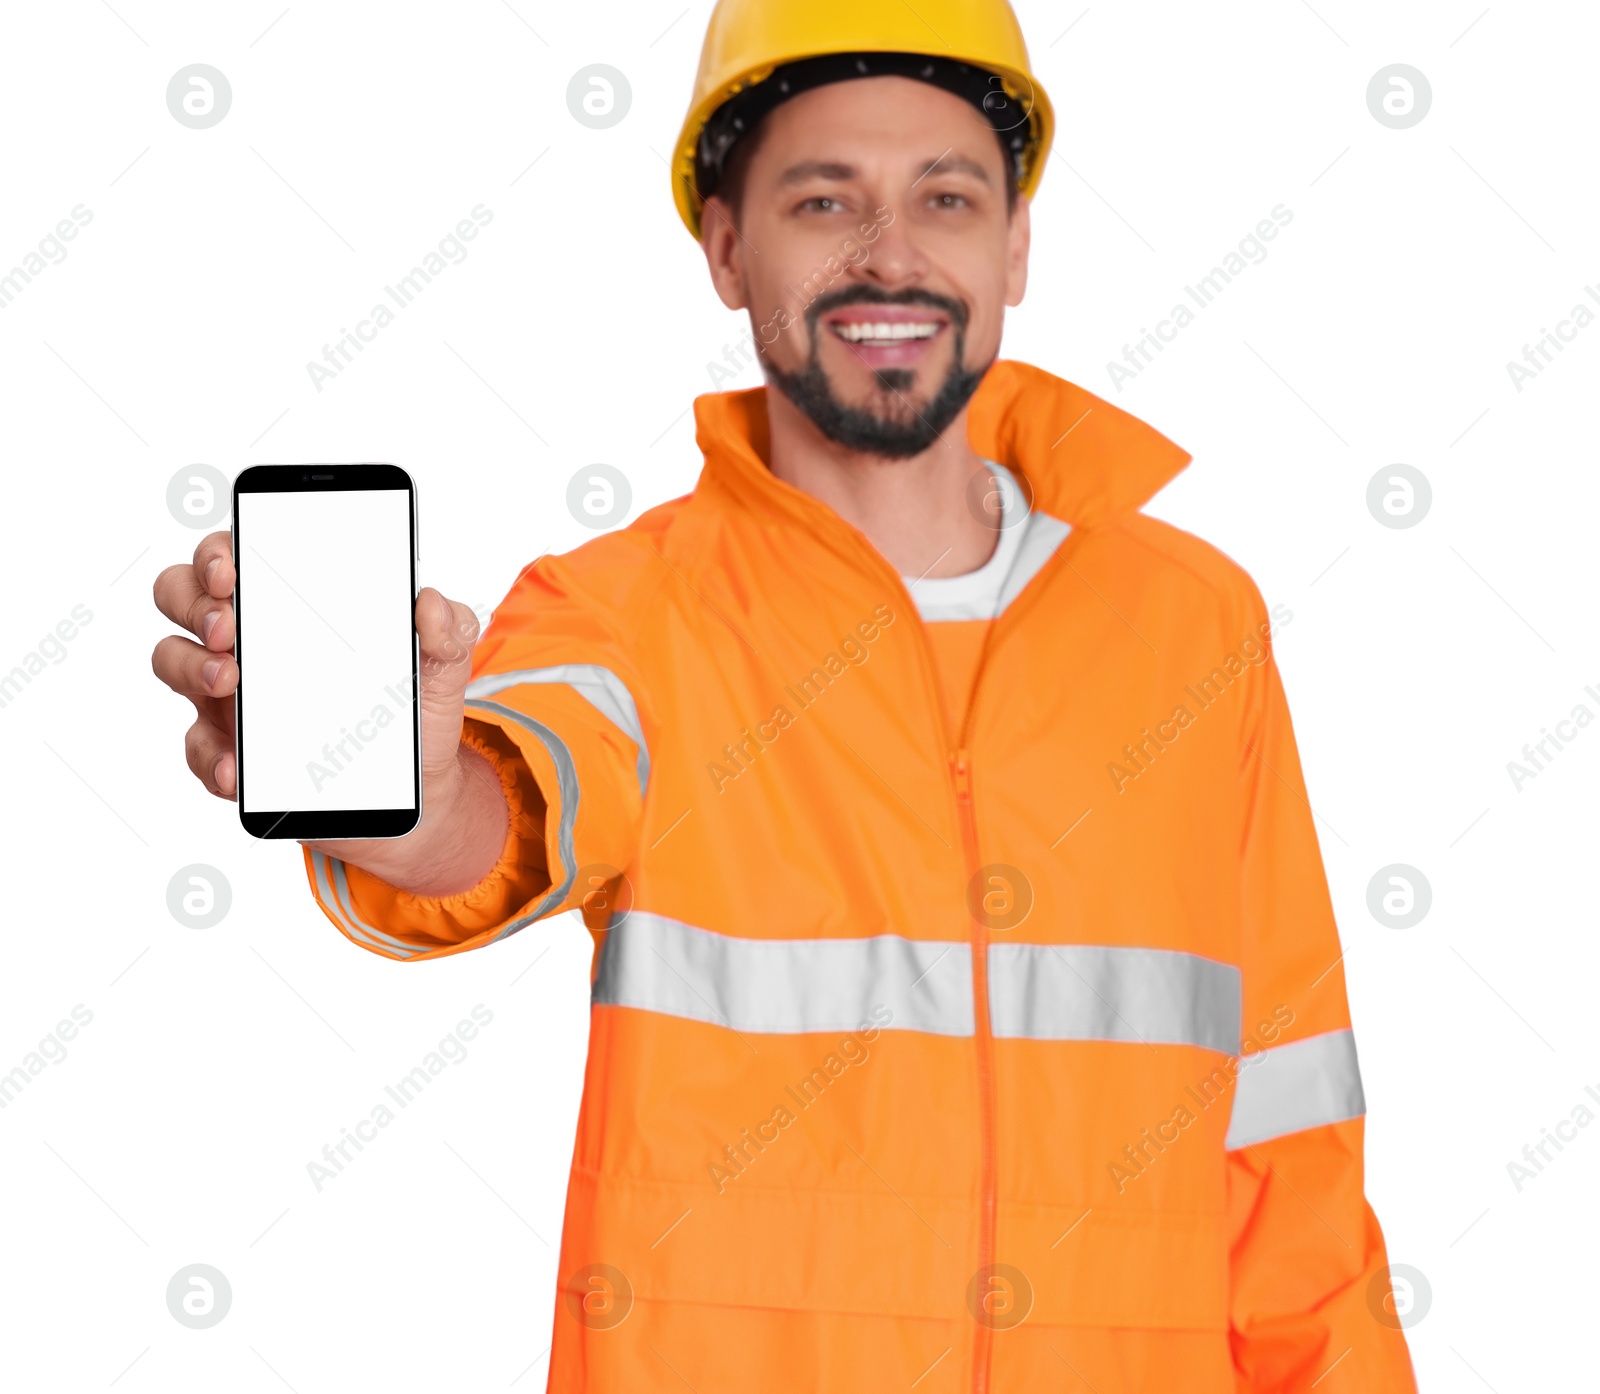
{"x": 876, "y": 257}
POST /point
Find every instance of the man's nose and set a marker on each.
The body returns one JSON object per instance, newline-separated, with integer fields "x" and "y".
{"x": 894, "y": 258}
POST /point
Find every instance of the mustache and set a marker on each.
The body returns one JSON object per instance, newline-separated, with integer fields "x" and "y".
{"x": 832, "y": 300}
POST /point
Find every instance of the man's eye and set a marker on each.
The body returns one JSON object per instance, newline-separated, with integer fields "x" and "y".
{"x": 949, "y": 201}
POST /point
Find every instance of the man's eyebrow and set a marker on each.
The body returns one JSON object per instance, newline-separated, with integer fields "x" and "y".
{"x": 817, "y": 169}
{"x": 949, "y": 163}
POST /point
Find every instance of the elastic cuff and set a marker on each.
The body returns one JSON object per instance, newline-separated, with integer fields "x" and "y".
{"x": 523, "y": 855}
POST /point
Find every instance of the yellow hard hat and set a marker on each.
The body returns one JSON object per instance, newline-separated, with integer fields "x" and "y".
{"x": 747, "y": 39}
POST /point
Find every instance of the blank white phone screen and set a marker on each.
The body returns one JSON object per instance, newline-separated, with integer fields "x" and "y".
{"x": 325, "y": 627}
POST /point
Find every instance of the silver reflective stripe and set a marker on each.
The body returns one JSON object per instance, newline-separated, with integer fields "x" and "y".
{"x": 598, "y": 686}
{"x": 1289, "y": 1088}
{"x": 567, "y": 789}
{"x": 1087, "y": 992}
{"x": 335, "y": 888}
{"x": 785, "y": 986}
{"x": 334, "y": 884}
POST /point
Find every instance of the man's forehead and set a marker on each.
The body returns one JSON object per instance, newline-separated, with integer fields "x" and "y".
{"x": 838, "y": 130}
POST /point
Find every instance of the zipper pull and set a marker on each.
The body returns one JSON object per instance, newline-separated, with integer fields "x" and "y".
{"x": 959, "y": 773}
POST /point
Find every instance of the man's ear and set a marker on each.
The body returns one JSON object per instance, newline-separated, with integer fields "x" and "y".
{"x": 1019, "y": 237}
{"x": 724, "y": 252}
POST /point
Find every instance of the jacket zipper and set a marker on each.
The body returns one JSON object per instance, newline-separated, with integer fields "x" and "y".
{"x": 960, "y": 768}
{"x": 961, "y": 778}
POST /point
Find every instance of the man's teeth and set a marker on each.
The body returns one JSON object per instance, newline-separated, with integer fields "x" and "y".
{"x": 857, "y": 332}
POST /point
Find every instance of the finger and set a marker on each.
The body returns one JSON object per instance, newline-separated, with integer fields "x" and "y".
{"x": 194, "y": 671}
{"x": 181, "y": 597}
{"x": 209, "y": 753}
{"x": 446, "y": 630}
{"x": 219, "y": 711}
{"x": 213, "y": 564}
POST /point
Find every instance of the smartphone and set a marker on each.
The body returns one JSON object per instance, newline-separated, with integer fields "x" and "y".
{"x": 328, "y": 732}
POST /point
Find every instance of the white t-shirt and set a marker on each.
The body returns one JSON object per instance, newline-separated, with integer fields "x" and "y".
{"x": 975, "y": 595}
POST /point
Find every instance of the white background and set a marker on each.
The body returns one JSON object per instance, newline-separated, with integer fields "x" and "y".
{"x": 219, "y": 262}
{"x": 328, "y": 645}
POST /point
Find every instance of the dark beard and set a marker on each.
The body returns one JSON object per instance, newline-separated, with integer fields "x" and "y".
{"x": 864, "y": 431}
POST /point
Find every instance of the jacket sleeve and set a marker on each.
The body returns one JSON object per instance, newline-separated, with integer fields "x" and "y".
{"x": 1309, "y": 1275}
{"x": 552, "y": 707}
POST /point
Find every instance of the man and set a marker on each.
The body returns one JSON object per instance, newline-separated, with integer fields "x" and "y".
{"x": 967, "y": 1003}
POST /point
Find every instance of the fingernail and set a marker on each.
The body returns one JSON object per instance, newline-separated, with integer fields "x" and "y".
{"x": 216, "y": 770}
{"x": 211, "y": 570}
{"x": 449, "y": 613}
{"x": 208, "y": 674}
{"x": 208, "y": 624}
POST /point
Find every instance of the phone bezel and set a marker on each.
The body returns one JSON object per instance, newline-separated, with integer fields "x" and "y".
{"x": 321, "y": 825}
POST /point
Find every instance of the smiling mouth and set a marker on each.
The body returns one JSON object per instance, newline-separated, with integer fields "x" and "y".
{"x": 884, "y": 334}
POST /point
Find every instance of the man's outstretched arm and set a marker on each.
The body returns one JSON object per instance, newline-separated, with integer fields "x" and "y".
{"x": 497, "y": 838}
{"x": 553, "y": 765}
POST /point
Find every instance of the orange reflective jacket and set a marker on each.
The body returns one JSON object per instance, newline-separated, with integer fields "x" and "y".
{"x": 1005, "y": 1058}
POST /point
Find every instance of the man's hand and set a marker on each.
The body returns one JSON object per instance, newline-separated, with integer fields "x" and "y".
{"x": 464, "y": 819}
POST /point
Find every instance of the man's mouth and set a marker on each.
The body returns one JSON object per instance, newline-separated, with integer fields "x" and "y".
{"x": 885, "y": 336}
{"x": 885, "y": 332}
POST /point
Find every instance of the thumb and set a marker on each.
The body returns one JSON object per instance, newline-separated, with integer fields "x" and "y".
{"x": 446, "y": 633}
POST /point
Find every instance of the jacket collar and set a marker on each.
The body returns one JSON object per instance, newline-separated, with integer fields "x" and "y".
{"x": 1086, "y": 462}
